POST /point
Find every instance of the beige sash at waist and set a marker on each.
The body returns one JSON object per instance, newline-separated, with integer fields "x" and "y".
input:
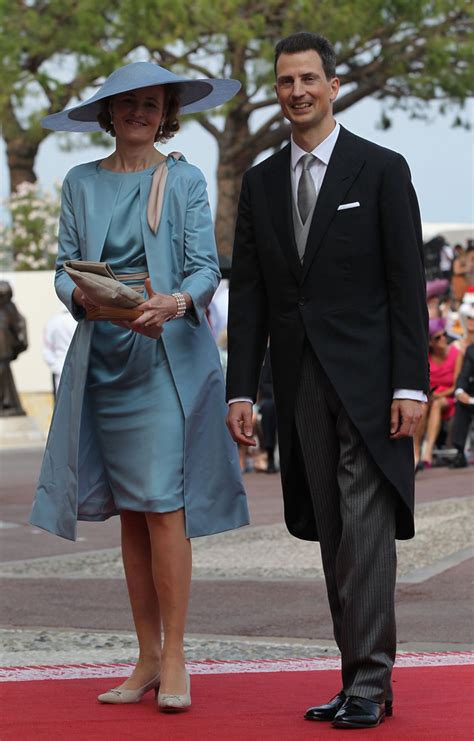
{"x": 124, "y": 277}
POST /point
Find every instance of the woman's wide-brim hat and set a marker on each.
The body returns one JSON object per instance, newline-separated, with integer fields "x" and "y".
{"x": 195, "y": 95}
{"x": 435, "y": 325}
{"x": 436, "y": 288}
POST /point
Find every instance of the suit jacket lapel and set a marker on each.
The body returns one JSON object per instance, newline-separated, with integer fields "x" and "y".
{"x": 277, "y": 183}
{"x": 343, "y": 168}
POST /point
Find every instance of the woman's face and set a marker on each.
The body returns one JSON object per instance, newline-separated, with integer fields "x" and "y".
{"x": 433, "y": 307}
{"x": 438, "y": 342}
{"x": 137, "y": 114}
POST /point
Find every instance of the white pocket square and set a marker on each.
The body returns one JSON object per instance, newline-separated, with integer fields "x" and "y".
{"x": 343, "y": 206}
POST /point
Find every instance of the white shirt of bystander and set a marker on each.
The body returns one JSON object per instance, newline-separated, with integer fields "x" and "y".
{"x": 57, "y": 337}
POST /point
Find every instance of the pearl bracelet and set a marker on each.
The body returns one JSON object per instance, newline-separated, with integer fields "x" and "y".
{"x": 181, "y": 305}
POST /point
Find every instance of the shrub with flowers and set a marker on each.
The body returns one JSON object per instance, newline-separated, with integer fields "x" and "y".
{"x": 31, "y": 239}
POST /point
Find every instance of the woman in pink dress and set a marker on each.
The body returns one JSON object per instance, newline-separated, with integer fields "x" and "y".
{"x": 445, "y": 364}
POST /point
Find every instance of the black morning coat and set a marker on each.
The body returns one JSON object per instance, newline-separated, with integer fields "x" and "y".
{"x": 359, "y": 299}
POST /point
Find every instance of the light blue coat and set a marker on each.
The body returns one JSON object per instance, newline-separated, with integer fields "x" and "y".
{"x": 181, "y": 257}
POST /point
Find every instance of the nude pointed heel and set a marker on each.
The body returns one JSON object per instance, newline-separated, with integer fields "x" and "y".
{"x": 176, "y": 703}
{"x": 119, "y": 696}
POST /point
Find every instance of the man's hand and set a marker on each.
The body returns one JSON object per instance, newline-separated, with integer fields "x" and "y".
{"x": 239, "y": 422}
{"x": 463, "y": 397}
{"x": 405, "y": 415}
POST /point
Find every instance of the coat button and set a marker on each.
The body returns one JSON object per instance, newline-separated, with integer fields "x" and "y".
{"x": 302, "y": 301}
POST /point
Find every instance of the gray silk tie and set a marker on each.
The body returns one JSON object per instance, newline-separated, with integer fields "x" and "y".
{"x": 306, "y": 195}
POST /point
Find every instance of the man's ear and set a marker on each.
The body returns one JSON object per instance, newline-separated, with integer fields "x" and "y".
{"x": 335, "y": 85}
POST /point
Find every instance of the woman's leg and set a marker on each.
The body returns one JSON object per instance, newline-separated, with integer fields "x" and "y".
{"x": 137, "y": 561}
{"x": 433, "y": 427}
{"x": 172, "y": 564}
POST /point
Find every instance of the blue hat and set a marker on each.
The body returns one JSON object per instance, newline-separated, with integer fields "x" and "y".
{"x": 195, "y": 95}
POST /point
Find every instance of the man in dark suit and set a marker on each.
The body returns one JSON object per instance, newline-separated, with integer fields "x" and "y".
{"x": 464, "y": 412}
{"x": 328, "y": 263}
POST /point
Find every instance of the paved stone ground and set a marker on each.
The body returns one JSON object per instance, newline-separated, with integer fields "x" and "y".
{"x": 257, "y": 592}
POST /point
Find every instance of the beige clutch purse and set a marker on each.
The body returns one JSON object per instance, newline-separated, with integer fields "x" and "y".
{"x": 112, "y": 299}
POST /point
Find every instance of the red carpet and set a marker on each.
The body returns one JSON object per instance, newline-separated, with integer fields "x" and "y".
{"x": 248, "y": 701}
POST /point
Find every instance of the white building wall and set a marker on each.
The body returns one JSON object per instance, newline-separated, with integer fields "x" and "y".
{"x": 35, "y": 298}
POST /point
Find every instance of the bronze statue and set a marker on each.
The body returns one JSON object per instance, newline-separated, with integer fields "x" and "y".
{"x": 13, "y": 341}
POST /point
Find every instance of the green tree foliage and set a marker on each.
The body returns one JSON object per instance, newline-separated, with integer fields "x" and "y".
{"x": 51, "y": 51}
{"x": 406, "y": 53}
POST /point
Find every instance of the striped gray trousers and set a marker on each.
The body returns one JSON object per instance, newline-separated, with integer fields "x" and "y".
{"x": 354, "y": 507}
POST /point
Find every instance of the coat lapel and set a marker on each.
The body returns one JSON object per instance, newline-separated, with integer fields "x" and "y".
{"x": 343, "y": 168}
{"x": 149, "y": 237}
{"x": 277, "y": 184}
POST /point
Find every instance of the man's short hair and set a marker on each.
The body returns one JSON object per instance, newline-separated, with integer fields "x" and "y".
{"x": 304, "y": 41}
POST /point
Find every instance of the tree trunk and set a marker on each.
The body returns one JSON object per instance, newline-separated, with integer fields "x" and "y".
{"x": 229, "y": 178}
{"x": 21, "y": 155}
{"x": 234, "y": 160}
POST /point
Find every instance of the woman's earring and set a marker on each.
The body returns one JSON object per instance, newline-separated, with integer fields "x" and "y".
{"x": 160, "y": 130}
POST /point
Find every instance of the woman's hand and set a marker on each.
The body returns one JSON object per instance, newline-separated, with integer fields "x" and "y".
{"x": 443, "y": 394}
{"x": 156, "y": 311}
{"x": 153, "y": 332}
{"x": 81, "y": 299}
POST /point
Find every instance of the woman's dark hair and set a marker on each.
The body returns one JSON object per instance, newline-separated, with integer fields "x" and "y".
{"x": 170, "y": 123}
{"x": 305, "y": 41}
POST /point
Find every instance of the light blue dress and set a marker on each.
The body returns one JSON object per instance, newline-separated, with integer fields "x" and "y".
{"x": 138, "y": 415}
{"x": 116, "y": 437}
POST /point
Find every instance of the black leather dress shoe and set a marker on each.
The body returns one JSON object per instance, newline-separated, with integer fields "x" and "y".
{"x": 358, "y": 712}
{"x": 271, "y": 468}
{"x": 459, "y": 461}
{"x": 328, "y": 711}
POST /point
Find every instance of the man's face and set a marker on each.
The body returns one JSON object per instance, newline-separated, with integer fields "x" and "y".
{"x": 303, "y": 91}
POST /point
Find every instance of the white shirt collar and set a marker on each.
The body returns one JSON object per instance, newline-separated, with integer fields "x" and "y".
{"x": 323, "y": 151}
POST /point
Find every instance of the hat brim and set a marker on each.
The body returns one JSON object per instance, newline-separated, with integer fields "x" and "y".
{"x": 195, "y": 96}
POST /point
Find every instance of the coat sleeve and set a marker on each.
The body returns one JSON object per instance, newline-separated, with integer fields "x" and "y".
{"x": 247, "y": 326}
{"x": 201, "y": 265}
{"x": 68, "y": 249}
{"x": 464, "y": 380}
{"x": 404, "y": 272}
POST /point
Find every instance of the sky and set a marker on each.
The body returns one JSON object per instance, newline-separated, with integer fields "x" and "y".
{"x": 441, "y": 158}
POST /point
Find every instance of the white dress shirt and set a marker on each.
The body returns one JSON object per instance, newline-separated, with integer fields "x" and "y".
{"x": 57, "y": 336}
{"x": 319, "y": 165}
{"x": 318, "y": 169}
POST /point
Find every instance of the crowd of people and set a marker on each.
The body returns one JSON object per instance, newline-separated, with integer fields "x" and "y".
{"x": 443, "y": 436}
